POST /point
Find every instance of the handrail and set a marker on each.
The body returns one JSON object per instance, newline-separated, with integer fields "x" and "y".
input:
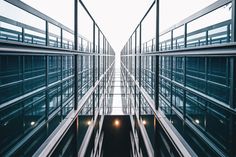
{"x": 37, "y": 13}
{"x": 226, "y": 49}
{"x": 198, "y": 14}
{"x": 184, "y": 23}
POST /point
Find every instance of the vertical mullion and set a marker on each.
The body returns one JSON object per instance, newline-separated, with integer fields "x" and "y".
{"x": 76, "y": 56}
{"x": 47, "y": 91}
{"x": 140, "y": 49}
{"x": 98, "y": 93}
{"x": 135, "y": 64}
{"x": 184, "y": 94}
{"x": 94, "y": 47}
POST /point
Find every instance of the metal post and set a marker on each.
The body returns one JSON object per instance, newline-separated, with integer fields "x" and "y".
{"x": 139, "y": 66}
{"x": 157, "y": 57}
{"x": 98, "y": 65}
{"x": 135, "y": 65}
{"x": 46, "y": 35}
{"x": 156, "y": 97}
{"x": 184, "y": 94}
{"x": 47, "y": 89}
{"x": 61, "y": 37}
{"x": 185, "y": 35}
{"x": 105, "y": 76}
{"x": 232, "y": 83}
{"x": 57, "y": 42}
{"x": 104, "y": 85}
{"x": 171, "y": 40}
{"x": 76, "y": 48}
{"x": 76, "y": 70}
{"x": 61, "y": 86}
{"x": 23, "y": 35}
{"x": 94, "y": 49}
{"x": 76, "y": 24}
{"x": 207, "y": 37}
{"x": 81, "y": 75}
{"x": 232, "y": 59}
{"x": 76, "y": 81}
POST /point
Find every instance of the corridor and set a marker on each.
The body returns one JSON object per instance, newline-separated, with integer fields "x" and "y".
{"x": 67, "y": 90}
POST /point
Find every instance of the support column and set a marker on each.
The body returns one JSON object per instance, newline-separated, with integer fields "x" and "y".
{"x": 232, "y": 104}
{"x": 76, "y": 128}
{"x": 157, "y": 57}
{"x": 156, "y": 84}
{"x": 76, "y": 56}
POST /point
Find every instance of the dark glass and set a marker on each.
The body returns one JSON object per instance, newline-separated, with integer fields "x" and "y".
{"x": 67, "y": 89}
{"x": 35, "y": 73}
{"x": 178, "y": 69}
{"x": 196, "y": 110}
{"x": 177, "y": 97}
{"x": 54, "y": 98}
{"x": 67, "y": 108}
{"x": 54, "y": 68}
{"x": 20, "y": 118}
{"x": 67, "y": 66}
{"x": 10, "y": 77}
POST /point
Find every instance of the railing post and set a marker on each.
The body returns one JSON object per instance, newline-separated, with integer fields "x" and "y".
{"x": 23, "y": 34}
{"x": 171, "y": 40}
{"x": 228, "y": 33}
{"x": 185, "y": 34}
{"x": 207, "y": 37}
{"x": 46, "y": 35}
{"x": 57, "y": 42}
{"x": 61, "y": 37}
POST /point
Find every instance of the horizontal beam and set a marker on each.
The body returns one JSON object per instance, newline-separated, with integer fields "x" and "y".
{"x": 10, "y": 47}
{"x": 227, "y": 49}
